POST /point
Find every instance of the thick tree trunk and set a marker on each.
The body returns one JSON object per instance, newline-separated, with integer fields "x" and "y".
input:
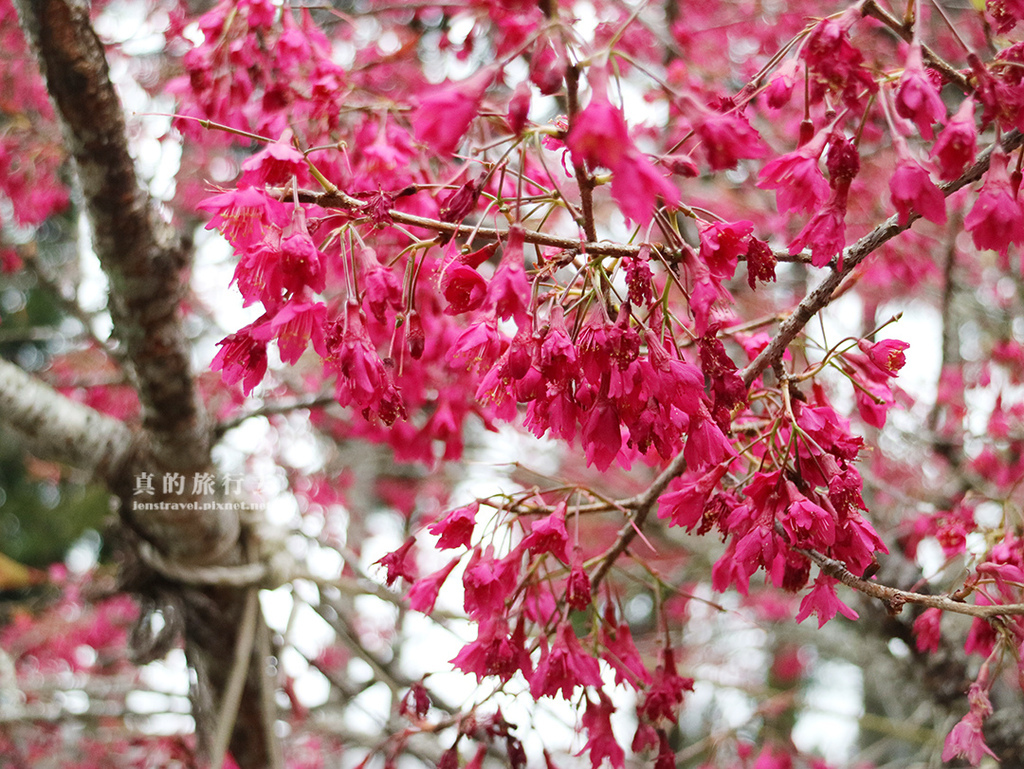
{"x": 144, "y": 261}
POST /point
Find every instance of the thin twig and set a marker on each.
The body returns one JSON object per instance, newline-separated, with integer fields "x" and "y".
{"x": 641, "y": 505}
{"x": 271, "y": 409}
{"x": 895, "y": 598}
{"x": 875, "y": 11}
{"x": 232, "y": 697}
{"x": 339, "y": 199}
{"x": 267, "y": 691}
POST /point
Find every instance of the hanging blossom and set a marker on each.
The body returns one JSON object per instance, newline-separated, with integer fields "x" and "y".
{"x": 599, "y": 136}
{"x": 443, "y": 116}
{"x": 912, "y": 188}
{"x": 996, "y": 221}
{"x": 917, "y": 99}
{"x": 956, "y": 145}
{"x": 242, "y": 357}
{"x": 825, "y": 233}
{"x": 796, "y": 177}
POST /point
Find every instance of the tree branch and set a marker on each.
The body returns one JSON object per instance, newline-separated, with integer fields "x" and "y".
{"x": 895, "y": 599}
{"x": 641, "y": 505}
{"x": 59, "y": 429}
{"x": 854, "y": 255}
{"x": 140, "y": 254}
{"x": 336, "y": 198}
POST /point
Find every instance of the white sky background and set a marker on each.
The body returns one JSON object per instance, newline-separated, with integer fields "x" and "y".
{"x": 831, "y": 728}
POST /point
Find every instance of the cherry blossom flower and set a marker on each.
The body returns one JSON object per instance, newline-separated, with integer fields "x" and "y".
{"x": 825, "y": 233}
{"x": 721, "y": 244}
{"x": 836, "y": 65}
{"x": 637, "y": 185}
{"x": 577, "y": 589}
{"x": 400, "y": 563}
{"x": 760, "y": 263}
{"x": 599, "y": 135}
{"x": 274, "y": 164}
{"x": 967, "y": 738}
{"x": 443, "y": 117}
{"x": 956, "y": 144}
{"x": 1006, "y": 13}
{"x": 886, "y": 354}
{"x": 602, "y": 434}
{"x": 638, "y": 278}
{"x": 456, "y": 528}
{"x": 488, "y": 582}
{"x": 621, "y": 652}
{"x": 495, "y": 652}
{"x": 685, "y": 506}
{"x": 916, "y": 97}
{"x": 242, "y": 357}
{"x": 548, "y": 64}
{"x": 548, "y": 535}
{"x": 927, "y": 631}
{"x": 294, "y": 325}
{"x": 242, "y": 215}
{"x": 665, "y": 695}
{"x": 423, "y": 594}
{"x": 914, "y": 192}
{"x": 796, "y": 177}
{"x": 362, "y": 378}
{"x": 823, "y": 602}
{"x": 807, "y": 523}
{"x": 564, "y": 666}
{"x": 601, "y": 741}
{"x": 727, "y": 138}
{"x": 996, "y": 221}
{"x": 508, "y": 293}
{"x": 519, "y": 108}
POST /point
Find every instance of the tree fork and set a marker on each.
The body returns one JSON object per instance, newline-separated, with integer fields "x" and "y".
{"x": 144, "y": 260}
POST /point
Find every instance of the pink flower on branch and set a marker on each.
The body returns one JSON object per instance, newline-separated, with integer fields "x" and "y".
{"x": 823, "y": 602}
{"x": 601, "y": 741}
{"x": 548, "y": 535}
{"x": 599, "y": 135}
{"x": 721, "y": 245}
{"x": 956, "y": 145}
{"x": 242, "y": 357}
{"x": 727, "y": 138}
{"x": 275, "y": 164}
{"x": 443, "y": 117}
{"x": 914, "y": 192}
{"x": 400, "y": 563}
{"x": 495, "y": 652}
{"x": 564, "y": 667}
{"x": 796, "y": 177}
{"x": 917, "y": 98}
{"x": 825, "y": 234}
{"x": 456, "y": 528}
{"x": 996, "y": 221}
{"x": 294, "y": 326}
{"x": 423, "y": 593}
{"x": 967, "y": 738}
{"x": 508, "y": 293}
{"x": 637, "y": 185}
{"x": 887, "y": 354}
